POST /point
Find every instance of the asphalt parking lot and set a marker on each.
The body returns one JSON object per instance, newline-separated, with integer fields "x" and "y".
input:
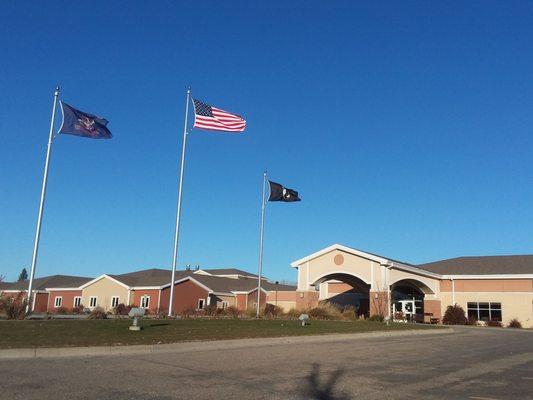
{"x": 471, "y": 363}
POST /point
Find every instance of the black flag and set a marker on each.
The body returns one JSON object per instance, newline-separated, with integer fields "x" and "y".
{"x": 280, "y": 193}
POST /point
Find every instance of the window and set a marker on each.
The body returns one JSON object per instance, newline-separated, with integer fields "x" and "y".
{"x": 145, "y": 301}
{"x": 77, "y": 301}
{"x": 201, "y": 303}
{"x": 485, "y": 311}
{"x": 224, "y": 305}
{"x": 58, "y": 301}
{"x": 114, "y": 301}
{"x": 92, "y": 301}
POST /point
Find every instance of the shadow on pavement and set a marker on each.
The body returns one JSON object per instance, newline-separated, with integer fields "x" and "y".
{"x": 325, "y": 390}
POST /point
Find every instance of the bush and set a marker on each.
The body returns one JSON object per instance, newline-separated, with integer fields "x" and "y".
{"x": 325, "y": 311}
{"x": 272, "y": 310}
{"x": 376, "y": 318}
{"x": 514, "y": 323}
{"x": 454, "y": 315}
{"x": 14, "y": 306}
{"x": 232, "y": 312}
{"x": 61, "y": 311}
{"x": 472, "y": 321}
{"x": 293, "y": 313}
{"x": 250, "y": 312}
{"x": 188, "y": 312}
{"x": 494, "y": 323}
{"x": 78, "y": 309}
{"x": 121, "y": 309}
{"x": 211, "y": 310}
{"x": 98, "y": 313}
{"x": 349, "y": 312}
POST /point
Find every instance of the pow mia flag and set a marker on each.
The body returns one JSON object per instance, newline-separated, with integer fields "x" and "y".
{"x": 280, "y": 193}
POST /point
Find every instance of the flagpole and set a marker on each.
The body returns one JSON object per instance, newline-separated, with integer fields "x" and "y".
{"x": 260, "y": 269}
{"x": 178, "y": 212}
{"x": 41, "y": 203}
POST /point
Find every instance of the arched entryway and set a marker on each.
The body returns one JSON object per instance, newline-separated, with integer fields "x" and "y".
{"x": 407, "y": 299}
{"x": 343, "y": 290}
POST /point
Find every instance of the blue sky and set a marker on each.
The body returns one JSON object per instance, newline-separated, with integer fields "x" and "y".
{"x": 405, "y": 126}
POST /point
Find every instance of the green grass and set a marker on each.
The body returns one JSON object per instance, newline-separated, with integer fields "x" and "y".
{"x": 55, "y": 333}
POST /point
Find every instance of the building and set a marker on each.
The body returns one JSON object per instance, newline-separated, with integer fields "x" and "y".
{"x": 150, "y": 289}
{"x": 492, "y": 287}
{"x": 49, "y": 293}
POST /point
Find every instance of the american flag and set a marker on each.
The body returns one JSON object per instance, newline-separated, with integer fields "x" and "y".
{"x": 215, "y": 119}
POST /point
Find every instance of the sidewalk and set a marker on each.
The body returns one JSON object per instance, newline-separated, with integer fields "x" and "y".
{"x": 185, "y": 347}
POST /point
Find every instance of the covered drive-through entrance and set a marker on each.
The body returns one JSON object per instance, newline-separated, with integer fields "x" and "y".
{"x": 373, "y": 284}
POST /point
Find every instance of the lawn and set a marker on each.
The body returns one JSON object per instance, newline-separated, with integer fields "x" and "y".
{"x": 56, "y": 333}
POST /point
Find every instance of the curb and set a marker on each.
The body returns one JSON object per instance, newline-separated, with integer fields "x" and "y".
{"x": 186, "y": 347}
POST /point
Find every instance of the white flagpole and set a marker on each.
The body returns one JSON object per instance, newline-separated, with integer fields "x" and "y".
{"x": 178, "y": 212}
{"x": 41, "y": 204}
{"x": 260, "y": 269}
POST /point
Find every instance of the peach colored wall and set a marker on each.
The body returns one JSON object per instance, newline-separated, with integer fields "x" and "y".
{"x": 488, "y": 285}
{"x": 153, "y": 306}
{"x": 306, "y": 300}
{"x": 282, "y": 296}
{"x": 336, "y": 288}
{"x": 433, "y": 307}
{"x": 67, "y": 301}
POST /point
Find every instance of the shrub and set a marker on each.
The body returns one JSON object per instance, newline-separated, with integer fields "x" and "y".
{"x": 121, "y": 309}
{"x": 454, "y": 315}
{"x": 14, "y": 306}
{"x": 188, "y": 312}
{"x": 293, "y": 313}
{"x": 376, "y": 318}
{"x": 98, "y": 313}
{"x": 78, "y": 309}
{"x": 250, "y": 312}
{"x": 61, "y": 310}
{"x": 272, "y": 310}
{"x": 349, "y": 312}
{"x": 514, "y": 323}
{"x": 211, "y": 310}
{"x": 325, "y": 311}
{"x": 494, "y": 323}
{"x": 398, "y": 316}
{"x": 232, "y": 312}
{"x": 472, "y": 321}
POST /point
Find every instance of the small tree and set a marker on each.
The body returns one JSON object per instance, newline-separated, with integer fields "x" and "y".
{"x": 455, "y": 315}
{"x": 14, "y": 306}
{"x": 23, "y": 275}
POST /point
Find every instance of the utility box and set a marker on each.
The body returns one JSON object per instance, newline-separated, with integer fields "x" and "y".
{"x": 136, "y": 313}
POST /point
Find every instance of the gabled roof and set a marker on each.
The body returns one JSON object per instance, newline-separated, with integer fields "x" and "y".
{"x": 218, "y": 284}
{"x": 224, "y": 272}
{"x": 482, "y": 265}
{"x": 5, "y": 285}
{"x": 369, "y": 256}
{"x": 148, "y": 277}
{"x": 53, "y": 281}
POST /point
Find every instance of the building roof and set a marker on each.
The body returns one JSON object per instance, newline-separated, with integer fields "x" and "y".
{"x": 225, "y": 271}
{"x": 220, "y": 284}
{"x": 5, "y": 285}
{"x": 482, "y": 265}
{"x": 53, "y": 281}
{"x": 149, "y": 277}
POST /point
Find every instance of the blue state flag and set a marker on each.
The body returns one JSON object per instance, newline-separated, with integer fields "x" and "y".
{"x": 79, "y": 123}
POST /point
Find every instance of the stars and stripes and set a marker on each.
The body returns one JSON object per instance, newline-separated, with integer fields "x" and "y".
{"x": 215, "y": 119}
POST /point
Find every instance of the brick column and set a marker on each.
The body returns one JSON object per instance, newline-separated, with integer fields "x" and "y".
{"x": 379, "y": 303}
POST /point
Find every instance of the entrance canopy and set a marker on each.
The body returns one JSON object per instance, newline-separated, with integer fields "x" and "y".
{"x": 362, "y": 270}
